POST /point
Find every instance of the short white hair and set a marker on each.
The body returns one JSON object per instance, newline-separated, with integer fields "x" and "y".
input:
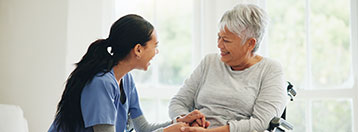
{"x": 247, "y": 21}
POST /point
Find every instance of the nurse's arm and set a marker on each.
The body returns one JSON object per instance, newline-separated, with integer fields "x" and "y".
{"x": 103, "y": 128}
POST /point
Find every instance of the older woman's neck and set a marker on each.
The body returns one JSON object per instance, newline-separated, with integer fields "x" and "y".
{"x": 250, "y": 62}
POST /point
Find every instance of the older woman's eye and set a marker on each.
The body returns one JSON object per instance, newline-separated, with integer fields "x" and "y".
{"x": 226, "y": 41}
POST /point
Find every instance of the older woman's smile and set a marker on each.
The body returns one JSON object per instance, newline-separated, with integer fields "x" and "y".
{"x": 224, "y": 53}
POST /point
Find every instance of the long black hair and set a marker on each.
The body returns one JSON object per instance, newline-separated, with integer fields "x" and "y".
{"x": 125, "y": 33}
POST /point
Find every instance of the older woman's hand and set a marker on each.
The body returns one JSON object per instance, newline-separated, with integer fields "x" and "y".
{"x": 196, "y": 124}
{"x": 193, "y": 129}
{"x": 195, "y": 117}
{"x": 176, "y": 127}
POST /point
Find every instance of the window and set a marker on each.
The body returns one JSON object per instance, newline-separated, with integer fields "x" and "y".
{"x": 312, "y": 39}
{"x": 173, "y": 22}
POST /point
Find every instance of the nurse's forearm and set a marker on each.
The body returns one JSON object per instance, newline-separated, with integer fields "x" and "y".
{"x": 104, "y": 128}
{"x": 141, "y": 125}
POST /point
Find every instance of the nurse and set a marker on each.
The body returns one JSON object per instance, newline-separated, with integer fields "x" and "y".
{"x": 100, "y": 93}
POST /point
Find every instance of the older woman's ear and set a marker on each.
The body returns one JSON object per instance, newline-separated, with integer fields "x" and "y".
{"x": 251, "y": 43}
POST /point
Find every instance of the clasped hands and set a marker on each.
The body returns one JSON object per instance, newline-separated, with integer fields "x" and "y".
{"x": 193, "y": 122}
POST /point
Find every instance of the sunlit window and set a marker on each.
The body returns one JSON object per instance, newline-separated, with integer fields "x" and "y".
{"x": 311, "y": 38}
{"x": 173, "y": 22}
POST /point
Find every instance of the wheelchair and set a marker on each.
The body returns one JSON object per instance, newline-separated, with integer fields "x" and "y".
{"x": 279, "y": 124}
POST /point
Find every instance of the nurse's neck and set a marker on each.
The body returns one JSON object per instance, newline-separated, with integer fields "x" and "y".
{"x": 121, "y": 69}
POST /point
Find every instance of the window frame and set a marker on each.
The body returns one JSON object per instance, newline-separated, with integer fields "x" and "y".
{"x": 351, "y": 93}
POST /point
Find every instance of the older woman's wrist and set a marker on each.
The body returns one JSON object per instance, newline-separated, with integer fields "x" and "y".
{"x": 225, "y": 128}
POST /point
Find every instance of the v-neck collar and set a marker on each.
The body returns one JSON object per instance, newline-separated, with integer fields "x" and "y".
{"x": 123, "y": 93}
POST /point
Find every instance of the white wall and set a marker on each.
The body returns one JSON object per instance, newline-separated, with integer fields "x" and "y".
{"x": 88, "y": 20}
{"x": 32, "y": 57}
{"x": 40, "y": 40}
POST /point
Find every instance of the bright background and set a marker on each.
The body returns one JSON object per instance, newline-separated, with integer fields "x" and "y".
{"x": 316, "y": 41}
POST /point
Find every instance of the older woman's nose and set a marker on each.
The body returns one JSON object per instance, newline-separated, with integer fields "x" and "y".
{"x": 220, "y": 44}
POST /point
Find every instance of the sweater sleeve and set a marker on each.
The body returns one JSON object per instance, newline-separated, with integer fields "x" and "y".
{"x": 270, "y": 102}
{"x": 141, "y": 125}
{"x": 183, "y": 102}
{"x": 104, "y": 128}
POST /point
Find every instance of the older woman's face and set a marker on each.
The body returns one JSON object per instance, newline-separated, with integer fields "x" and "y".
{"x": 233, "y": 51}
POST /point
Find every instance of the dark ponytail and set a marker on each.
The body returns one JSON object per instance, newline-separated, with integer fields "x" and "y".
{"x": 124, "y": 35}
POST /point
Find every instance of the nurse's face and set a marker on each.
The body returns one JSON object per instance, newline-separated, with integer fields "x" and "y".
{"x": 149, "y": 51}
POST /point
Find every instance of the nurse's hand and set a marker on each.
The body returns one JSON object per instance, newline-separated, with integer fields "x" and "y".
{"x": 176, "y": 127}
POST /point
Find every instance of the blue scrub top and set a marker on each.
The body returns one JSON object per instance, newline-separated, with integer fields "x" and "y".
{"x": 100, "y": 102}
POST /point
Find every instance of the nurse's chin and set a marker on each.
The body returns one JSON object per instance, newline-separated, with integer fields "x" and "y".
{"x": 145, "y": 68}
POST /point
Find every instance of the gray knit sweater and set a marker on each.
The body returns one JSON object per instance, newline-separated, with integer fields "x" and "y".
{"x": 245, "y": 100}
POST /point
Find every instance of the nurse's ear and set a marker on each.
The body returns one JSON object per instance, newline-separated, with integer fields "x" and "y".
{"x": 138, "y": 50}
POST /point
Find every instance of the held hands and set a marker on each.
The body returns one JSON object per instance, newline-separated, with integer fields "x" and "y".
{"x": 195, "y": 118}
{"x": 193, "y": 122}
{"x": 193, "y": 129}
{"x": 183, "y": 127}
{"x": 176, "y": 127}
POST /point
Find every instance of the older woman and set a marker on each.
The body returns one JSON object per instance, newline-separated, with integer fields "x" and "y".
{"x": 237, "y": 90}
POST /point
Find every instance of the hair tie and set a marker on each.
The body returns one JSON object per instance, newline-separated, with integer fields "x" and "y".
{"x": 109, "y": 50}
{"x": 109, "y": 47}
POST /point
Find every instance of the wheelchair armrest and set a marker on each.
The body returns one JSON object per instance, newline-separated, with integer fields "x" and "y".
{"x": 291, "y": 91}
{"x": 279, "y": 123}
